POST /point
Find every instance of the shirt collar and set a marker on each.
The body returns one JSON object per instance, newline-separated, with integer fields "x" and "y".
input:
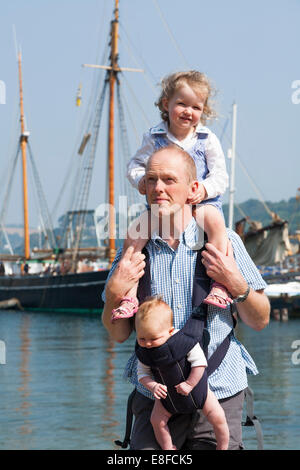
{"x": 188, "y": 237}
{"x": 162, "y": 128}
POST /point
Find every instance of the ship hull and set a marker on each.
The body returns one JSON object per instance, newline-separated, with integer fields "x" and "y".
{"x": 68, "y": 293}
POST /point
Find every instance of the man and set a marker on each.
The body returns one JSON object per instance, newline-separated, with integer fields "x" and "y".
{"x": 170, "y": 182}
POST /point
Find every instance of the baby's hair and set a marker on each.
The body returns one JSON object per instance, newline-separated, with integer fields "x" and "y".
{"x": 145, "y": 311}
{"x": 197, "y": 81}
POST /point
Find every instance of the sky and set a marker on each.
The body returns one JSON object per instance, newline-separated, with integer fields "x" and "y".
{"x": 249, "y": 50}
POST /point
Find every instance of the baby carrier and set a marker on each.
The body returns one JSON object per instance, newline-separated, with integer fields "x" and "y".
{"x": 169, "y": 362}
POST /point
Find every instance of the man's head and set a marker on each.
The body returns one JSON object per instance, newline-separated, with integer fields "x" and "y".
{"x": 170, "y": 179}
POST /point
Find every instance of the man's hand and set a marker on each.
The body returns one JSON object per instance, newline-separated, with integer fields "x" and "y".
{"x": 127, "y": 273}
{"x": 222, "y": 268}
{"x": 255, "y": 310}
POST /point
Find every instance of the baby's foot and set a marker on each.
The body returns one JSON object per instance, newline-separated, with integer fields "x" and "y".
{"x": 218, "y": 296}
{"x": 127, "y": 308}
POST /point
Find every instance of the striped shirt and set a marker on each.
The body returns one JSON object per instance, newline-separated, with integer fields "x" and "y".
{"x": 172, "y": 277}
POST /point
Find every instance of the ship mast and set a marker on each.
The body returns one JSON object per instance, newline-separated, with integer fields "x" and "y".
{"x": 112, "y": 76}
{"x": 112, "y": 81}
{"x": 23, "y": 144}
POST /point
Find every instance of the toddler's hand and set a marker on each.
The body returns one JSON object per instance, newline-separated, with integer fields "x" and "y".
{"x": 201, "y": 194}
{"x": 183, "y": 388}
{"x": 160, "y": 391}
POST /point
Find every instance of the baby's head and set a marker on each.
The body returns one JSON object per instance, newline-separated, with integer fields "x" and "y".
{"x": 153, "y": 323}
{"x": 195, "y": 80}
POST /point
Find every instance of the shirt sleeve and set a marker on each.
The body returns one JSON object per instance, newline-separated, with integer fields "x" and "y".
{"x": 143, "y": 370}
{"x": 196, "y": 357}
{"x": 217, "y": 178}
{"x": 245, "y": 264}
{"x": 137, "y": 165}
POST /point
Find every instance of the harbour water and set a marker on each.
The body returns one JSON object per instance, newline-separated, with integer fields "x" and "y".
{"x": 62, "y": 384}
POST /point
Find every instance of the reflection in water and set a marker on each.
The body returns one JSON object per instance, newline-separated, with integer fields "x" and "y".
{"x": 24, "y": 388}
{"x": 66, "y": 377}
{"x": 109, "y": 416}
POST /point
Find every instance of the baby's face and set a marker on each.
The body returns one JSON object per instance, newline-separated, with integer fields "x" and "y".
{"x": 153, "y": 335}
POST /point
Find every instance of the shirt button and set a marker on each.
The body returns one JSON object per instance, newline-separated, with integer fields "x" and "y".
{"x": 177, "y": 281}
{"x": 179, "y": 306}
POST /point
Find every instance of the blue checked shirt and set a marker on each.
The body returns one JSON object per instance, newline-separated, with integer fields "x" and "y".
{"x": 172, "y": 277}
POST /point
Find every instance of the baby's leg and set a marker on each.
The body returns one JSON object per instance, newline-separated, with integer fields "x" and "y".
{"x": 216, "y": 416}
{"x": 137, "y": 237}
{"x": 159, "y": 420}
{"x": 212, "y": 222}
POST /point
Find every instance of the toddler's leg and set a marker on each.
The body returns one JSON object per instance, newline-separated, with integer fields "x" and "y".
{"x": 137, "y": 237}
{"x": 159, "y": 420}
{"x": 211, "y": 221}
{"x": 216, "y": 416}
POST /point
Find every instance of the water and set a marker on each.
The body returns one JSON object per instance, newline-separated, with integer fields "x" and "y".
{"x": 62, "y": 386}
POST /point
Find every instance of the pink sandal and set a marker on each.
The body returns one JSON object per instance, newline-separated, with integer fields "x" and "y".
{"x": 222, "y": 295}
{"x": 126, "y": 310}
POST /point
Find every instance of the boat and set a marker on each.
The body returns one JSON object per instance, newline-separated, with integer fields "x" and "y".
{"x": 69, "y": 290}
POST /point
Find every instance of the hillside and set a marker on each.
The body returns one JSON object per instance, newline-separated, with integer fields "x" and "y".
{"x": 286, "y": 210}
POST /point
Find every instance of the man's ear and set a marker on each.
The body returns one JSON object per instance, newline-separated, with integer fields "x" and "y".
{"x": 193, "y": 189}
{"x": 142, "y": 186}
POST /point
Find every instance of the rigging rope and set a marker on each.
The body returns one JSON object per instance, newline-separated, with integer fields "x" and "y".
{"x": 44, "y": 212}
{"x": 84, "y": 187}
{"x": 164, "y": 21}
{"x": 9, "y": 187}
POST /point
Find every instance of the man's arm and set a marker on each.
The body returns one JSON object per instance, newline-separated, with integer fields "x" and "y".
{"x": 126, "y": 274}
{"x": 255, "y": 310}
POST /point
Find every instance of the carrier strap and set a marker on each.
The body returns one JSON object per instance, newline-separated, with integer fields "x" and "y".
{"x": 129, "y": 418}
{"x": 251, "y": 419}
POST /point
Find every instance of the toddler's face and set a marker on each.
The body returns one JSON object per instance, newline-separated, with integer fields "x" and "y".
{"x": 185, "y": 109}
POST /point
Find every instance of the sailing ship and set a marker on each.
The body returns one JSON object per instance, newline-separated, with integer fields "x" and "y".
{"x": 81, "y": 291}
{"x": 72, "y": 291}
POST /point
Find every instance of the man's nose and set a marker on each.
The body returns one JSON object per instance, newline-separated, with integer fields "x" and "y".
{"x": 159, "y": 186}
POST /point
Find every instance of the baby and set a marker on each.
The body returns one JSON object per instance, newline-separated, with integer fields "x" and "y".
{"x": 154, "y": 326}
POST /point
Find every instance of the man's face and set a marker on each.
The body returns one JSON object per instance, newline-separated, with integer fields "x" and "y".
{"x": 167, "y": 183}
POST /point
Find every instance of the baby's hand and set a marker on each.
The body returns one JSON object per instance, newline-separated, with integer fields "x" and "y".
{"x": 142, "y": 186}
{"x": 183, "y": 388}
{"x": 160, "y": 391}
